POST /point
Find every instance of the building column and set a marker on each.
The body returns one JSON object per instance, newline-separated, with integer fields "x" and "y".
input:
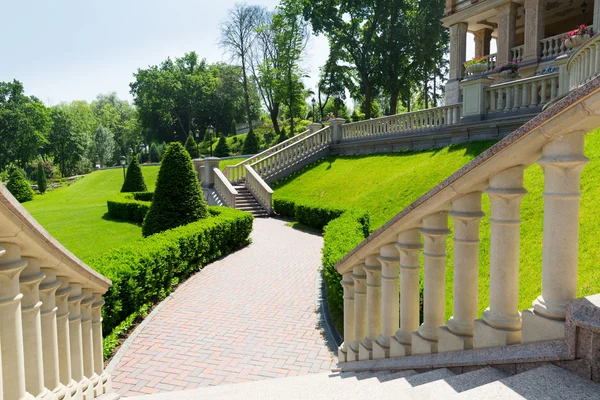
{"x": 409, "y": 245}
{"x": 458, "y": 332}
{"x": 30, "y": 280}
{"x": 348, "y": 285}
{"x": 562, "y": 161}
{"x": 390, "y": 300}
{"x": 507, "y": 26}
{"x": 434, "y": 231}
{"x": 482, "y": 39}
{"x": 596, "y": 19}
{"x": 534, "y": 28}
{"x": 48, "y": 289}
{"x": 372, "y": 269}
{"x": 360, "y": 310}
{"x": 11, "y": 328}
{"x": 501, "y": 322}
{"x": 458, "y": 56}
{"x": 87, "y": 338}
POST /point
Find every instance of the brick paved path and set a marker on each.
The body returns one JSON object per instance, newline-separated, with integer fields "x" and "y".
{"x": 246, "y": 317}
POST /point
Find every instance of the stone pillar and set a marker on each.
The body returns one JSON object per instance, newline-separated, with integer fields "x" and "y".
{"x": 48, "y": 289}
{"x": 390, "y": 299}
{"x": 104, "y": 383}
{"x": 336, "y": 129}
{"x": 76, "y": 345}
{"x": 208, "y": 175}
{"x": 348, "y": 285}
{"x": 30, "y": 280}
{"x": 458, "y": 56}
{"x": 434, "y": 231}
{"x": 534, "y": 28}
{"x": 11, "y": 328}
{"x": 507, "y": 26}
{"x": 409, "y": 246}
{"x": 501, "y": 322}
{"x": 372, "y": 269}
{"x": 360, "y": 310}
{"x": 64, "y": 338}
{"x": 474, "y": 101}
{"x": 87, "y": 337}
{"x": 482, "y": 39}
{"x": 314, "y": 127}
{"x": 562, "y": 161}
{"x": 596, "y": 19}
{"x": 458, "y": 333}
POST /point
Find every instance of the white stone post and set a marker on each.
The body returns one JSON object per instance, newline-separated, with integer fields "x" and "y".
{"x": 30, "y": 280}
{"x": 458, "y": 56}
{"x": 11, "y": 328}
{"x": 409, "y": 245}
{"x": 434, "y": 231}
{"x": 87, "y": 337}
{"x": 501, "y": 322}
{"x": 314, "y": 127}
{"x": 348, "y": 285}
{"x": 562, "y": 161}
{"x": 507, "y": 27}
{"x": 474, "y": 101}
{"x": 390, "y": 300}
{"x": 336, "y": 129}
{"x": 208, "y": 176}
{"x": 75, "y": 335}
{"x": 64, "y": 339}
{"x": 104, "y": 383}
{"x": 372, "y": 269}
{"x": 360, "y": 310}
{"x": 534, "y": 28}
{"x": 458, "y": 332}
{"x": 48, "y": 289}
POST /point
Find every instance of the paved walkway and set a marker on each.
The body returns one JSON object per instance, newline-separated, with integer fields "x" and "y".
{"x": 247, "y": 317}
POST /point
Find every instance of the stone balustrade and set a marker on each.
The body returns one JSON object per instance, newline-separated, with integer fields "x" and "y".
{"x": 259, "y": 188}
{"x": 268, "y": 167}
{"x": 553, "y": 46}
{"x": 491, "y": 62}
{"x": 50, "y": 308}
{"x": 522, "y": 93}
{"x": 517, "y": 53}
{"x": 430, "y": 118}
{"x": 225, "y": 190}
{"x": 584, "y": 64}
{"x": 370, "y": 273}
{"x": 236, "y": 173}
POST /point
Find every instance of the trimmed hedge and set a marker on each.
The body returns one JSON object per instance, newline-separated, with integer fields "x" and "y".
{"x": 146, "y": 271}
{"x": 284, "y": 208}
{"x": 128, "y": 209}
{"x": 142, "y": 196}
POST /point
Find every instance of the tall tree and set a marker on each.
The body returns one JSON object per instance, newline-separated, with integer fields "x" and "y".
{"x": 238, "y": 33}
{"x": 66, "y": 143}
{"x": 104, "y": 145}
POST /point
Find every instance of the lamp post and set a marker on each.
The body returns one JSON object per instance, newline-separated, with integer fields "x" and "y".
{"x": 337, "y": 97}
{"x": 210, "y": 130}
{"x": 197, "y": 134}
{"x": 313, "y": 101}
{"x": 123, "y": 161}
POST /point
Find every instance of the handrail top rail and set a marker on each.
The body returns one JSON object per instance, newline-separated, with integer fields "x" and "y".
{"x": 402, "y": 114}
{"x": 286, "y": 148}
{"x": 225, "y": 181}
{"x": 581, "y": 48}
{"x": 29, "y": 233}
{"x": 560, "y": 35}
{"x": 555, "y": 121}
{"x": 491, "y": 55}
{"x": 267, "y": 151}
{"x": 523, "y": 80}
{"x": 260, "y": 180}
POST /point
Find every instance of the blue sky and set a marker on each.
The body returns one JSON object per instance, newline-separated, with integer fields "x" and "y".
{"x": 67, "y": 50}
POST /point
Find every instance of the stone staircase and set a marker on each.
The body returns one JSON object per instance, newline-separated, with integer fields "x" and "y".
{"x": 545, "y": 382}
{"x": 247, "y": 202}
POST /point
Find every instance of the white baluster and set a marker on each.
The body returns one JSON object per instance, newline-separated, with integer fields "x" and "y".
{"x": 76, "y": 344}
{"x": 64, "y": 339}
{"x": 87, "y": 338}
{"x": 390, "y": 297}
{"x": 360, "y": 309}
{"x": 373, "y": 270}
{"x": 348, "y": 285}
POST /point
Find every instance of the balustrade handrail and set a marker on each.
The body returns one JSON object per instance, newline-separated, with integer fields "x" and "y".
{"x": 522, "y": 81}
{"x": 225, "y": 189}
{"x": 407, "y": 114}
{"x": 581, "y": 67}
{"x": 259, "y": 188}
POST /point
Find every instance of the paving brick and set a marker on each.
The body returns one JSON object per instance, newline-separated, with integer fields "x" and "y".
{"x": 249, "y": 316}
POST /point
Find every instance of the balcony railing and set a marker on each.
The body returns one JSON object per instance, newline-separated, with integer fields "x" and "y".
{"x": 523, "y": 93}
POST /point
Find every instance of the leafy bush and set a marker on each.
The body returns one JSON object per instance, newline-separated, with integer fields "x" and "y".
{"x": 134, "y": 180}
{"x": 42, "y": 183}
{"x": 340, "y": 236}
{"x": 145, "y": 271}
{"x": 128, "y": 209}
{"x": 251, "y": 143}
{"x": 177, "y": 199}
{"x": 284, "y": 208}
{"x": 316, "y": 215}
{"x": 192, "y": 147}
{"x": 19, "y": 187}
{"x": 222, "y": 150}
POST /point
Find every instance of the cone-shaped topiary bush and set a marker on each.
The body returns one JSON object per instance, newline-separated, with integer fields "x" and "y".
{"x": 134, "y": 180}
{"x": 251, "y": 143}
{"x": 233, "y": 128}
{"x": 282, "y": 136}
{"x": 177, "y": 198}
{"x": 41, "y": 178}
{"x": 191, "y": 147}
{"x": 222, "y": 149}
{"x": 154, "y": 153}
{"x": 19, "y": 187}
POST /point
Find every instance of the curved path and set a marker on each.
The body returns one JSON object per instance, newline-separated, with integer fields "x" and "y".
{"x": 248, "y": 316}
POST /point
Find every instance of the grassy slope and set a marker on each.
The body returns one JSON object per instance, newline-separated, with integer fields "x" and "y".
{"x": 230, "y": 161}
{"x": 385, "y": 184}
{"x": 75, "y": 215}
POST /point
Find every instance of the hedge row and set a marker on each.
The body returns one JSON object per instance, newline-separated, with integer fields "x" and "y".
{"x": 125, "y": 207}
{"x": 343, "y": 230}
{"x": 141, "y": 196}
{"x": 146, "y": 271}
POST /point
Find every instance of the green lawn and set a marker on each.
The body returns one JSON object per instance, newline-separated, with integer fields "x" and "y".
{"x": 76, "y": 215}
{"x": 385, "y": 184}
{"x": 230, "y": 161}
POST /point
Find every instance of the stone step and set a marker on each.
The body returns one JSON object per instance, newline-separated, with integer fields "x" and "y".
{"x": 456, "y": 384}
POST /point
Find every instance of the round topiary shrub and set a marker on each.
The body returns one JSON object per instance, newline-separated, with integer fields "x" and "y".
{"x": 134, "y": 180}
{"x": 19, "y": 187}
{"x": 177, "y": 198}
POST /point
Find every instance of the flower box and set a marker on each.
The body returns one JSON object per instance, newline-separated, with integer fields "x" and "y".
{"x": 508, "y": 74}
{"x": 474, "y": 69}
{"x": 575, "y": 41}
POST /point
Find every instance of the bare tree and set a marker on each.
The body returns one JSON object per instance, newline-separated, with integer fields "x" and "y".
{"x": 238, "y": 34}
